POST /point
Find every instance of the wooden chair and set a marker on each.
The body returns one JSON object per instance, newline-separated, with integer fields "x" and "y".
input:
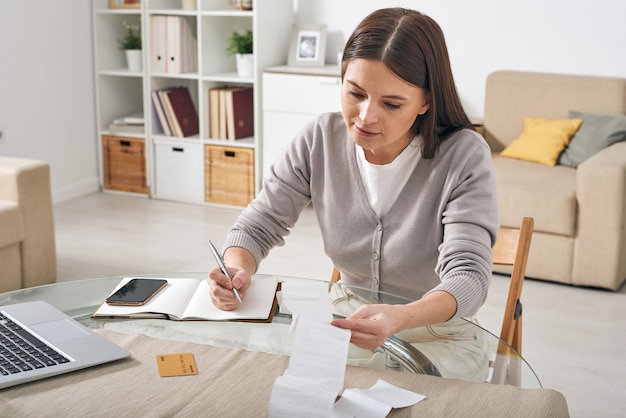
{"x": 511, "y": 249}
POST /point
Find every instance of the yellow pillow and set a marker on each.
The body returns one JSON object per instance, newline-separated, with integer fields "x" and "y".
{"x": 542, "y": 140}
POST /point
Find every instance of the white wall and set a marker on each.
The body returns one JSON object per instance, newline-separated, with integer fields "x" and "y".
{"x": 47, "y": 104}
{"x": 557, "y": 36}
{"x": 47, "y": 107}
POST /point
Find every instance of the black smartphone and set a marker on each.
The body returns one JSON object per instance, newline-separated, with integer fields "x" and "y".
{"x": 136, "y": 292}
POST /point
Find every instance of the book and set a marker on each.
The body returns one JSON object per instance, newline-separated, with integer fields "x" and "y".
{"x": 132, "y": 119}
{"x": 185, "y": 299}
{"x": 222, "y": 114}
{"x": 184, "y": 110}
{"x": 214, "y": 106}
{"x": 160, "y": 111}
{"x": 116, "y": 128}
{"x": 239, "y": 113}
{"x": 169, "y": 114}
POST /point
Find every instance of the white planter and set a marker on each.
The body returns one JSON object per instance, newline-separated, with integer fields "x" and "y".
{"x": 134, "y": 59}
{"x": 189, "y": 4}
{"x": 245, "y": 64}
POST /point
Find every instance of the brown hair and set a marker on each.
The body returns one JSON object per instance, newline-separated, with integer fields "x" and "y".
{"x": 412, "y": 46}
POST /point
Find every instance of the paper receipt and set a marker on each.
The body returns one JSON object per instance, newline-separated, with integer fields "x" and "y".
{"x": 182, "y": 364}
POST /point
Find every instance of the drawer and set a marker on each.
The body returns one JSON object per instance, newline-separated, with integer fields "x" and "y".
{"x": 279, "y": 128}
{"x": 179, "y": 171}
{"x": 296, "y": 93}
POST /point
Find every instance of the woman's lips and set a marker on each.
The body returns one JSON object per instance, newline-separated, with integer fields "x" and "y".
{"x": 363, "y": 132}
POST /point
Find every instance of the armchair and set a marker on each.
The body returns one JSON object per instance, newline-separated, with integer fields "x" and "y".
{"x": 27, "y": 245}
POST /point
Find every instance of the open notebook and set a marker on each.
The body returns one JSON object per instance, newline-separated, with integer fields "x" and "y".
{"x": 37, "y": 341}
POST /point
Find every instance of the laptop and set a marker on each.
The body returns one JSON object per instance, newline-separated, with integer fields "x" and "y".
{"x": 38, "y": 341}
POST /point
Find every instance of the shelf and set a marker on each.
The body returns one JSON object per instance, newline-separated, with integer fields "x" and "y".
{"x": 120, "y": 91}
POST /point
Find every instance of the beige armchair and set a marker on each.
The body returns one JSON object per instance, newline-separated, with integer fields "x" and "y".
{"x": 580, "y": 213}
{"x": 27, "y": 246}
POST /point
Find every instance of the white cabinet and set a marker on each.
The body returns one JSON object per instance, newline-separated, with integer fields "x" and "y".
{"x": 120, "y": 92}
{"x": 291, "y": 97}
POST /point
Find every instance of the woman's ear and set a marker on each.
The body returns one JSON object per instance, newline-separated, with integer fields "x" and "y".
{"x": 426, "y": 105}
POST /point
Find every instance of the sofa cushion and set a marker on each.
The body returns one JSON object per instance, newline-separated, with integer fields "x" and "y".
{"x": 545, "y": 193}
{"x": 542, "y": 140}
{"x": 596, "y": 133}
{"x": 11, "y": 224}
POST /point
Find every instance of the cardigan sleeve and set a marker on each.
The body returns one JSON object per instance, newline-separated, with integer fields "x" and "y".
{"x": 285, "y": 193}
{"x": 470, "y": 220}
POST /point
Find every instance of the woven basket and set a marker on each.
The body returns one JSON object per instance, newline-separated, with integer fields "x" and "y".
{"x": 229, "y": 175}
{"x": 124, "y": 164}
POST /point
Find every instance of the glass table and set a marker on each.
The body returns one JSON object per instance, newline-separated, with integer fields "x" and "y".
{"x": 462, "y": 350}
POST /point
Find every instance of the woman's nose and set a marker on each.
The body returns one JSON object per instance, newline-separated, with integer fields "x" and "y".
{"x": 368, "y": 113}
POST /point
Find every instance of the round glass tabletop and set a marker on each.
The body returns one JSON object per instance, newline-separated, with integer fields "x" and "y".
{"x": 459, "y": 349}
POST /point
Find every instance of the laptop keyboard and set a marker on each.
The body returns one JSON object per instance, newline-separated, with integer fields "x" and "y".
{"x": 21, "y": 351}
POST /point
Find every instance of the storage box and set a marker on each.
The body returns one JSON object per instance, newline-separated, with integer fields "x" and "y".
{"x": 179, "y": 169}
{"x": 125, "y": 164}
{"x": 229, "y": 175}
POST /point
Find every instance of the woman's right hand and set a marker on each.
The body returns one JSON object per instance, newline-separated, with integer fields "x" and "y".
{"x": 221, "y": 288}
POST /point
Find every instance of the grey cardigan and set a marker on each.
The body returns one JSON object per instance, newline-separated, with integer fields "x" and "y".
{"x": 437, "y": 236}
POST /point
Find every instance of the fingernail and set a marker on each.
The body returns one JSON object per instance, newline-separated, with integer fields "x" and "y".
{"x": 237, "y": 283}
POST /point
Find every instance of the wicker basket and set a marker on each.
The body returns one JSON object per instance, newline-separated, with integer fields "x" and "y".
{"x": 229, "y": 175}
{"x": 125, "y": 164}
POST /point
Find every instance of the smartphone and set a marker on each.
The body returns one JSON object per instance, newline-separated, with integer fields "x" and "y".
{"x": 136, "y": 292}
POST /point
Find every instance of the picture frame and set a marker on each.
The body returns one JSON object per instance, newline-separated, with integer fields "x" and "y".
{"x": 124, "y": 4}
{"x": 307, "y": 46}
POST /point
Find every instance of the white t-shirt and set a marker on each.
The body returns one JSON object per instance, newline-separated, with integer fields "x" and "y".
{"x": 383, "y": 183}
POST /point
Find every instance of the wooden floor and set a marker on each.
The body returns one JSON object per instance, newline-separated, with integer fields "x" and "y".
{"x": 574, "y": 338}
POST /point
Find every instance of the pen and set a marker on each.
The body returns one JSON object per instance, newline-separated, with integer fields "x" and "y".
{"x": 220, "y": 263}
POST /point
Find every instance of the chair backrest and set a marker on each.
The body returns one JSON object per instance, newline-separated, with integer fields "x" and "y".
{"x": 512, "y": 248}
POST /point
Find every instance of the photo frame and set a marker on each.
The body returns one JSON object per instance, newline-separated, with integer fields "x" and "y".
{"x": 124, "y": 4}
{"x": 307, "y": 46}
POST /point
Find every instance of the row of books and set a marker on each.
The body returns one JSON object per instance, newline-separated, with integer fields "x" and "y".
{"x": 173, "y": 45}
{"x": 231, "y": 112}
{"x": 176, "y": 111}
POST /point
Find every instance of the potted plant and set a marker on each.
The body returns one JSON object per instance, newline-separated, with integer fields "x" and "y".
{"x": 240, "y": 45}
{"x": 131, "y": 43}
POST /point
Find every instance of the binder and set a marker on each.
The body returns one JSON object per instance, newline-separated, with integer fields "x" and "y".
{"x": 158, "y": 53}
{"x": 173, "y": 44}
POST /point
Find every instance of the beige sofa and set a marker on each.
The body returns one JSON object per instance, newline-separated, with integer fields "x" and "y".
{"x": 27, "y": 246}
{"x": 580, "y": 213}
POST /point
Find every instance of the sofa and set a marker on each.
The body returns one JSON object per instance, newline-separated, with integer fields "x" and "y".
{"x": 27, "y": 242}
{"x": 578, "y": 202}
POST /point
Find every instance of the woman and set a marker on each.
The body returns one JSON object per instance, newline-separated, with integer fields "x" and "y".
{"x": 402, "y": 186}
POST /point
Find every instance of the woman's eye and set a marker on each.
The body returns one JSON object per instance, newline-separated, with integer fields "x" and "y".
{"x": 392, "y": 105}
{"x": 356, "y": 94}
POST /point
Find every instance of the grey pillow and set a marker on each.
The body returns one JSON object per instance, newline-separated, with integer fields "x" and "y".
{"x": 596, "y": 133}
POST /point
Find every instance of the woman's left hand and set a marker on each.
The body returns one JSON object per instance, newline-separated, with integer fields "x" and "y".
{"x": 372, "y": 325}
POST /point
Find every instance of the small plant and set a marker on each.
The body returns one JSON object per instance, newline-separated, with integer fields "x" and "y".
{"x": 239, "y": 43}
{"x": 132, "y": 38}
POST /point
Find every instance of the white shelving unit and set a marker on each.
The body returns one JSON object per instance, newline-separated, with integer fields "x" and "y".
{"x": 120, "y": 92}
